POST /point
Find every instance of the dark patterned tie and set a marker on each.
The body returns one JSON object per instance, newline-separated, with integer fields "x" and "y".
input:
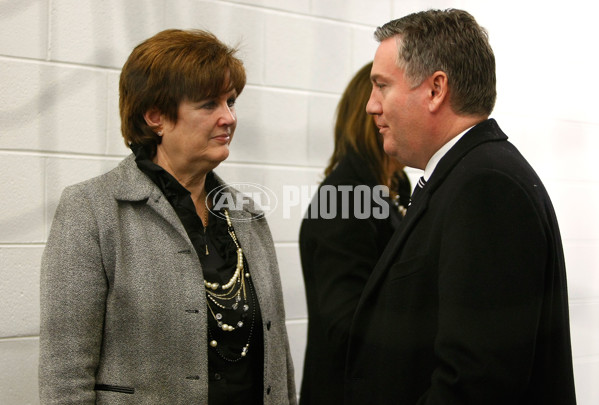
{"x": 417, "y": 189}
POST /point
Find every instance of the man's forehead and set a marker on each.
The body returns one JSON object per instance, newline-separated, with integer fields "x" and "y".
{"x": 384, "y": 65}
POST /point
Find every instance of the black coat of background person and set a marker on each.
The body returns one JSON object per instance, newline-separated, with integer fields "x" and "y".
{"x": 338, "y": 255}
{"x": 468, "y": 304}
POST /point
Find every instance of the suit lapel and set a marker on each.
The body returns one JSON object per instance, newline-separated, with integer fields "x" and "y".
{"x": 487, "y": 131}
{"x": 395, "y": 243}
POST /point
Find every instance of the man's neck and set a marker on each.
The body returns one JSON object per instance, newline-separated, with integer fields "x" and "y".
{"x": 446, "y": 136}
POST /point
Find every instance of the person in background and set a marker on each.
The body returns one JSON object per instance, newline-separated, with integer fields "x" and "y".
{"x": 340, "y": 248}
{"x": 468, "y": 304}
{"x": 149, "y": 294}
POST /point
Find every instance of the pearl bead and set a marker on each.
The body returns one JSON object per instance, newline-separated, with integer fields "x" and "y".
{"x": 213, "y": 343}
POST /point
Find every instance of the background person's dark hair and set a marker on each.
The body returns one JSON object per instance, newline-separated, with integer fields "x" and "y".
{"x": 172, "y": 66}
{"x": 450, "y": 41}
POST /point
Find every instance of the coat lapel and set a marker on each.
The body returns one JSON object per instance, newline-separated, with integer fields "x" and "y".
{"x": 243, "y": 223}
{"x": 487, "y": 131}
{"x": 134, "y": 186}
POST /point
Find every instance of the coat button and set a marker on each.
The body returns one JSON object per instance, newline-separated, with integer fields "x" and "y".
{"x": 268, "y": 325}
{"x": 217, "y": 376}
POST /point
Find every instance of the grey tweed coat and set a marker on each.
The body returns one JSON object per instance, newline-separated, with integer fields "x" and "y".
{"x": 123, "y": 311}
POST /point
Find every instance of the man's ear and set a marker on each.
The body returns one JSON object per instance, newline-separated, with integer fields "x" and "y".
{"x": 438, "y": 90}
{"x": 154, "y": 119}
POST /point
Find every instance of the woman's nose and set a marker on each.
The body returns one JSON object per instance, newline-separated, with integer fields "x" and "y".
{"x": 228, "y": 116}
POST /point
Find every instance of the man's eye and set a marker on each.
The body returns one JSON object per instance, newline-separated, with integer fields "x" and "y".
{"x": 231, "y": 101}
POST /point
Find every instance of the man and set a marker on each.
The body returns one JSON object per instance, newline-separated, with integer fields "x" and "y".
{"x": 468, "y": 303}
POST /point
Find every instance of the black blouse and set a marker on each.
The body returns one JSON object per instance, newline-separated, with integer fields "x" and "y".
{"x": 233, "y": 379}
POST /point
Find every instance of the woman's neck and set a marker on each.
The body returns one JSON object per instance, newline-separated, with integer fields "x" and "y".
{"x": 190, "y": 177}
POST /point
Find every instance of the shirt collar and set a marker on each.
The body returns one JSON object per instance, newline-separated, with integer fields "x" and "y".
{"x": 436, "y": 158}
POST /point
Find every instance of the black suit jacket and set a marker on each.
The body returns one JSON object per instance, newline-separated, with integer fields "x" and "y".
{"x": 338, "y": 255}
{"x": 468, "y": 304}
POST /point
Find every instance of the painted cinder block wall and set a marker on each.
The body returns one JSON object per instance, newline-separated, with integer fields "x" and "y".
{"x": 59, "y": 67}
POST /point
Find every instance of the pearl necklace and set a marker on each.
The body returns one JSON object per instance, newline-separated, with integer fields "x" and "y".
{"x": 230, "y": 296}
{"x": 238, "y": 269}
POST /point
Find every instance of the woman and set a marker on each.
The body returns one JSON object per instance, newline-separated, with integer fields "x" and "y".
{"x": 338, "y": 252}
{"x": 147, "y": 295}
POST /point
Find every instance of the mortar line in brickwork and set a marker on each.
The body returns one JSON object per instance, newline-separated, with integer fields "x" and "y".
{"x": 15, "y": 338}
{"x": 295, "y": 321}
{"x": 117, "y": 158}
{"x": 291, "y": 90}
{"x": 21, "y": 245}
{"x": 290, "y": 13}
{"x": 49, "y": 62}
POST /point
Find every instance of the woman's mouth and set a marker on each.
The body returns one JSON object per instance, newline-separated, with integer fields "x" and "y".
{"x": 223, "y": 138}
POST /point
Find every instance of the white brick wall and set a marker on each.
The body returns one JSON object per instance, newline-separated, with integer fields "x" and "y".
{"x": 59, "y": 68}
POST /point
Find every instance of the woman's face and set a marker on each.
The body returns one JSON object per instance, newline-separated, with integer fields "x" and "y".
{"x": 201, "y": 135}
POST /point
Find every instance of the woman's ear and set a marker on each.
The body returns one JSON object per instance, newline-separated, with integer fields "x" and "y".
{"x": 154, "y": 119}
{"x": 438, "y": 89}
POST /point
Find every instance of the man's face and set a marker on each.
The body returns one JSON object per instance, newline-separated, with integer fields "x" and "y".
{"x": 398, "y": 109}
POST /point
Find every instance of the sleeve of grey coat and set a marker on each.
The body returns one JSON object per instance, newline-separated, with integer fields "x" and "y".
{"x": 73, "y": 294}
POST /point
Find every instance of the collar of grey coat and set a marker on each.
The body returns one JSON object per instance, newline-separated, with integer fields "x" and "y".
{"x": 134, "y": 186}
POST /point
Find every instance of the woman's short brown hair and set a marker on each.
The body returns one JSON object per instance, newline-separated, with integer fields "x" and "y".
{"x": 170, "y": 67}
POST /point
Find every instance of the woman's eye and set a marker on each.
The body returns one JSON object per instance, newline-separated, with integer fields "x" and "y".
{"x": 209, "y": 105}
{"x": 213, "y": 104}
